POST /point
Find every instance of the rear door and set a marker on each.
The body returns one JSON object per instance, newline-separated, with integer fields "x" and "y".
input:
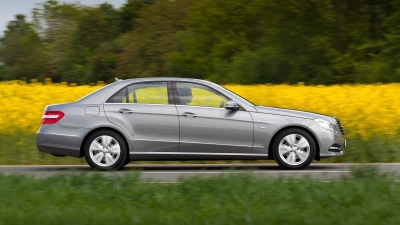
{"x": 147, "y": 113}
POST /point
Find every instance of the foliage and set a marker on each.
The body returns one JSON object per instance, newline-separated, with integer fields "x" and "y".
{"x": 267, "y": 41}
{"x": 20, "y": 53}
{"x": 66, "y": 42}
{"x": 92, "y": 198}
{"x": 145, "y": 49}
{"x": 232, "y": 41}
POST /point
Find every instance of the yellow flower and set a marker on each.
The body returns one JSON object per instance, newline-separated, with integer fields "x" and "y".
{"x": 364, "y": 110}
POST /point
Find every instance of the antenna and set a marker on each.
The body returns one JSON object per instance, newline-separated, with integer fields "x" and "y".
{"x": 116, "y": 79}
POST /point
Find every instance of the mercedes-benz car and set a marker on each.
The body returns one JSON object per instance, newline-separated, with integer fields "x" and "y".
{"x": 183, "y": 119}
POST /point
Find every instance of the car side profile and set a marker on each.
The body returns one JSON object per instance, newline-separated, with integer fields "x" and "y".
{"x": 183, "y": 119}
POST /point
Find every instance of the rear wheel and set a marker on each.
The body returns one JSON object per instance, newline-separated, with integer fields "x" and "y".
{"x": 294, "y": 149}
{"x": 105, "y": 150}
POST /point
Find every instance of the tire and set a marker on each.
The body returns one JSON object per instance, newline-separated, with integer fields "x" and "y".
{"x": 127, "y": 160}
{"x": 105, "y": 150}
{"x": 294, "y": 149}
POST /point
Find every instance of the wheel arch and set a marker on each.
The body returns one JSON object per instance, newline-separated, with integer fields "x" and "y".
{"x": 81, "y": 152}
{"x": 317, "y": 144}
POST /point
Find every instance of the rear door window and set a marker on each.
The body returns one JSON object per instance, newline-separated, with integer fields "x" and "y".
{"x": 142, "y": 93}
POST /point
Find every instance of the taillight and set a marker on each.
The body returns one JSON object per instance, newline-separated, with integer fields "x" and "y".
{"x": 52, "y": 117}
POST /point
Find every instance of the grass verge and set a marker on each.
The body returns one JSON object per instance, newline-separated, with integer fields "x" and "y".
{"x": 365, "y": 197}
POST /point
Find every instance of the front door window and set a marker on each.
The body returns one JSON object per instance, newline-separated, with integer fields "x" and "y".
{"x": 198, "y": 95}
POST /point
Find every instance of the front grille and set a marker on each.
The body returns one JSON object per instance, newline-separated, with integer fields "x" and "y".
{"x": 340, "y": 126}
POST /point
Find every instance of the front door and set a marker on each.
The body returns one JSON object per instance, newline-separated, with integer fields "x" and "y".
{"x": 206, "y": 126}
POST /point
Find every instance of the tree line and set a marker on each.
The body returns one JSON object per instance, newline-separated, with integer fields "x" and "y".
{"x": 229, "y": 41}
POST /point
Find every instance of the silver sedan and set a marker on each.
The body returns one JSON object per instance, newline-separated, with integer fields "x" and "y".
{"x": 183, "y": 119}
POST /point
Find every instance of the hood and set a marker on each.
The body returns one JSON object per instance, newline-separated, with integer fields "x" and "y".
{"x": 294, "y": 113}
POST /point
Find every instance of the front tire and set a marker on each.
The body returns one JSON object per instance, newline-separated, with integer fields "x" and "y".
{"x": 294, "y": 149}
{"x": 127, "y": 161}
{"x": 105, "y": 150}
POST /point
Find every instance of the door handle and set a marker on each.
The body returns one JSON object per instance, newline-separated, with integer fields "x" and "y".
{"x": 188, "y": 114}
{"x": 125, "y": 111}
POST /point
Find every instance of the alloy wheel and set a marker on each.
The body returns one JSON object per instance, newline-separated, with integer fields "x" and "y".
{"x": 104, "y": 151}
{"x": 294, "y": 149}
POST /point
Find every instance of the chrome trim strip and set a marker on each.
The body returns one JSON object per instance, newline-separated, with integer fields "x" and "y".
{"x": 113, "y": 103}
{"x": 66, "y": 147}
{"x": 198, "y": 106}
{"x": 155, "y": 140}
{"x": 68, "y": 135}
{"x": 196, "y": 153}
{"x": 335, "y": 150}
{"x": 247, "y": 146}
{"x": 182, "y": 142}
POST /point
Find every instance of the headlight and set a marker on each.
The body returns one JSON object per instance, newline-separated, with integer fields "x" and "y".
{"x": 325, "y": 124}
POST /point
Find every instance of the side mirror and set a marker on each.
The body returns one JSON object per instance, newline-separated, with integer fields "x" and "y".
{"x": 232, "y": 105}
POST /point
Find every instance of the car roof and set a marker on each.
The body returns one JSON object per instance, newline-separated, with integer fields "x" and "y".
{"x": 163, "y": 79}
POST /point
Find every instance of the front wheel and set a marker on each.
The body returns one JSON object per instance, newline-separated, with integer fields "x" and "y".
{"x": 294, "y": 149}
{"x": 105, "y": 150}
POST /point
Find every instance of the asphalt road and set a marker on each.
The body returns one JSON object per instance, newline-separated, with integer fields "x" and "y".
{"x": 172, "y": 172}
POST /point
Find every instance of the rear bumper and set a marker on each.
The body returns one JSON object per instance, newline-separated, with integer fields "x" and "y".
{"x": 60, "y": 141}
{"x": 59, "y": 150}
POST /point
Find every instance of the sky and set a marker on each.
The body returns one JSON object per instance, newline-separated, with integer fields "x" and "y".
{"x": 9, "y": 8}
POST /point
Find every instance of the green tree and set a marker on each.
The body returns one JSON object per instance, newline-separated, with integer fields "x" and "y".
{"x": 129, "y": 12}
{"x": 93, "y": 27}
{"x": 232, "y": 41}
{"x": 314, "y": 41}
{"x": 20, "y": 52}
{"x": 92, "y": 52}
{"x": 384, "y": 55}
{"x": 156, "y": 34}
{"x": 56, "y": 23}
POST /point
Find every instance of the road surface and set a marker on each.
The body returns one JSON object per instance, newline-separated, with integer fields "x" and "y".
{"x": 173, "y": 172}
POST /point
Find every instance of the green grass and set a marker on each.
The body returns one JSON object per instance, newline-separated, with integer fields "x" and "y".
{"x": 365, "y": 197}
{"x": 374, "y": 150}
{"x": 20, "y": 149}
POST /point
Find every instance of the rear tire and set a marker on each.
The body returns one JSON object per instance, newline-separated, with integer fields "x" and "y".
{"x": 105, "y": 150}
{"x": 294, "y": 149}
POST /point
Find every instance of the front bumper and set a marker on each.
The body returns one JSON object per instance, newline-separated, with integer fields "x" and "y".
{"x": 330, "y": 144}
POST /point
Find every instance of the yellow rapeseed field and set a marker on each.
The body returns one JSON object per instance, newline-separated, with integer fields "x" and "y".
{"x": 364, "y": 110}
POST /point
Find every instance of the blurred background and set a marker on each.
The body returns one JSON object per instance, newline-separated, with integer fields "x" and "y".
{"x": 337, "y": 57}
{"x": 230, "y": 41}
